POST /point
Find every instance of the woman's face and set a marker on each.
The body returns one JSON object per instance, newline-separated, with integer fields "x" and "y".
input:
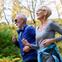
{"x": 41, "y": 13}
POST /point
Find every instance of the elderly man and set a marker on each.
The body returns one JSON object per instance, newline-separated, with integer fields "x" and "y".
{"x": 28, "y": 33}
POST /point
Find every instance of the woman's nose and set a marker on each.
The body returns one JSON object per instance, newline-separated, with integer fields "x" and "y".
{"x": 37, "y": 12}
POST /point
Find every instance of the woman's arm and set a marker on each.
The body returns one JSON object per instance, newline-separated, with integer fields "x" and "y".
{"x": 32, "y": 46}
{"x": 56, "y": 28}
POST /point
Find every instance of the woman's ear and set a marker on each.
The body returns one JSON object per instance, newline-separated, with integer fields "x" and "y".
{"x": 46, "y": 13}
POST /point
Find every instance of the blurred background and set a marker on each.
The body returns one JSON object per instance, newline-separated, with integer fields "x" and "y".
{"x": 8, "y": 10}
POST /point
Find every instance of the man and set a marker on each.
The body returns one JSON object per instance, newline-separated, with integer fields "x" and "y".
{"x": 28, "y": 33}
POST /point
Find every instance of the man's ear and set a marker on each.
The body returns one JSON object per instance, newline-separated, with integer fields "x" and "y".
{"x": 24, "y": 22}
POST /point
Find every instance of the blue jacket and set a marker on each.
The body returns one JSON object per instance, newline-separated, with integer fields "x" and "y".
{"x": 28, "y": 32}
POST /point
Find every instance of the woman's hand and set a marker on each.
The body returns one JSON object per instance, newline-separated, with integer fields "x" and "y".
{"x": 47, "y": 42}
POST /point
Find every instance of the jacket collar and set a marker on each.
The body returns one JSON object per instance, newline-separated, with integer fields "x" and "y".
{"x": 22, "y": 29}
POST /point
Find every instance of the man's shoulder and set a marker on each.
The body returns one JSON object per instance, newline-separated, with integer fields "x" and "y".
{"x": 29, "y": 28}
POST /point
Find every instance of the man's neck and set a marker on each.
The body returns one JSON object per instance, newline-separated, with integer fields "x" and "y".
{"x": 22, "y": 26}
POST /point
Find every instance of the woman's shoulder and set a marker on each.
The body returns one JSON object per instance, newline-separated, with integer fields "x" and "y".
{"x": 51, "y": 23}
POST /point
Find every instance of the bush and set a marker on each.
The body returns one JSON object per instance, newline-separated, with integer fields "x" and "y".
{"x": 7, "y": 48}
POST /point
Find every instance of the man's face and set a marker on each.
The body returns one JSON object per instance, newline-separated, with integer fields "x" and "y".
{"x": 19, "y": 22}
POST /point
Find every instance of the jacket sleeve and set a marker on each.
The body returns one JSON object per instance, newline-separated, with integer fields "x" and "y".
{"x": 31, "y": 32}
{"x": 57, "y": 28}
{"x": 35, "y": 46}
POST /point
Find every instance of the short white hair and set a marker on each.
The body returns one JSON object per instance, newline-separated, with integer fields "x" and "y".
{"x": 19, "y": 15}
{"x": 49, "y": 12}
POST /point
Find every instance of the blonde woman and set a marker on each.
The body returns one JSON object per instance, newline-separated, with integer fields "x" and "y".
{"x": 45, "y": 37}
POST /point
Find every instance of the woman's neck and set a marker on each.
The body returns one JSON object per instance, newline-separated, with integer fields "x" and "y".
{"x": 43, "y": 21}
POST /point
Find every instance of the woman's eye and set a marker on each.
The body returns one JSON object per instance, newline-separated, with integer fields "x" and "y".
{"x": 43, "y": 10}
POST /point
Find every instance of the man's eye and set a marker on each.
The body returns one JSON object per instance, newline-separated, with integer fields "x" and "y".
{"x": 15, "y": 20}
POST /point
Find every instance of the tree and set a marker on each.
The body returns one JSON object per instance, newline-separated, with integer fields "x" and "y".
{"x": 2, "y": 11}
{"x": 61, "y": 1}
{"x": 15, "y": 9}
{"x": 1, "y": 8}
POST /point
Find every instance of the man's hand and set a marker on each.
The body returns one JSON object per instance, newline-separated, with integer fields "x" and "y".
{"x": 25, "y": 42}
{"x": 14, "y": 39}
{"x": 26, "y": 45}
{"x": 26, "y": 49}
{"x": 47, "y": 42}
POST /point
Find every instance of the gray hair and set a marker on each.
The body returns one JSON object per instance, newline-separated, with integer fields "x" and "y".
{"x": 21, "y": 16}
{"x": 47, "y": 9}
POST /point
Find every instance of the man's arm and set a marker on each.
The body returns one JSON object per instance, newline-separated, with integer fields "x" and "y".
{"x": 14, "y": 40}
{"x": 31, "y": 32}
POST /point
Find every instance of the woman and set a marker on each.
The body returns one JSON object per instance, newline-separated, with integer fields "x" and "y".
{"x": 45, "y": 37}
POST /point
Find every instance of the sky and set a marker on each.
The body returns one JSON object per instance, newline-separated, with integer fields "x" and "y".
{"x": 8, "y": 4}
{"x": 50, "y": 5}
